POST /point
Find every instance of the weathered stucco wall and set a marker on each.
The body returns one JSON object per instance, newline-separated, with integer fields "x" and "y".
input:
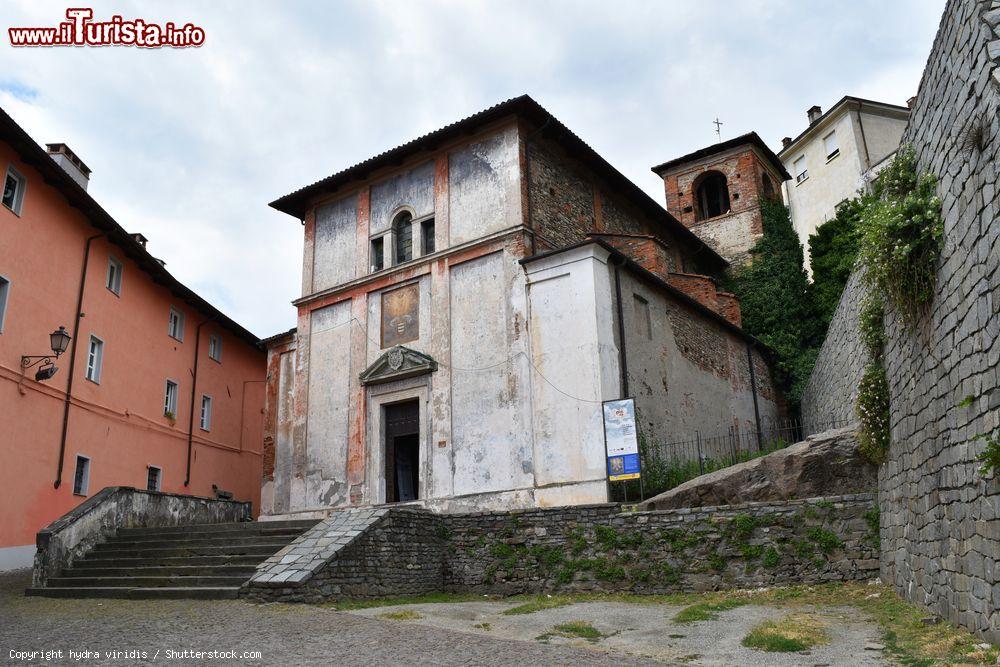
{"x": 484, "y": 187}
{"x": 334, "y": 245}
{"x": 687, "y": 372}
{"x": 940, "y": 516}
{"x": 413, "y": 188}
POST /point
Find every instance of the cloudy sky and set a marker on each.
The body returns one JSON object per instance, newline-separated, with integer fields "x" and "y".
{"x": 188, "y": 146}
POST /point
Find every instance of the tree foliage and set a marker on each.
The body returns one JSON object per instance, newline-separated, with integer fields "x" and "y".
{"x": 833, "y": 251}
{"x": 776, "y": 303}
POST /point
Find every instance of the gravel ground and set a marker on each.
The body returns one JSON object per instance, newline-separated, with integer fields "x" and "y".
{"x": 648, "y": 631}
{"x": 283, "y": 634}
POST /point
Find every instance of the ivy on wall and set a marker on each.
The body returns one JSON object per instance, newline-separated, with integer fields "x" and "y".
{"x": 900, "y": 237}
{"x": 833, "y": 252}
{"x": 775, "y": 301}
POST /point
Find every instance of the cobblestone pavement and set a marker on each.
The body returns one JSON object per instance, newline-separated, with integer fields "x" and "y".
{"x": 283, "y": 634}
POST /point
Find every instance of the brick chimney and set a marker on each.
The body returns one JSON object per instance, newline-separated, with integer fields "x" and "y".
{"x": 814, "y": 113}
{"x": 139, "y": 238}
{"x": 786, "y": 142}
{"x": 910, "y": 102}
{"x": 71, "y": 164}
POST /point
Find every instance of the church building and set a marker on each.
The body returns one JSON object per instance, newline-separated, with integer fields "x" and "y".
{"x": 469, "y": 300}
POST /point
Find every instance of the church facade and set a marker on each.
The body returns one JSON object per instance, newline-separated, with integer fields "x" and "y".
{"x": 469, "y": 299}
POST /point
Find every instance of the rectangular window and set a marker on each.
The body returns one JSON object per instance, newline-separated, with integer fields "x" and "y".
{"x": 799, "y": 167}
{"x": 4, "y": 293}
{"x": 152, "y": 478}
{"x": 114, "y": 282}
{"x": 830, "y": 144}
{"x": 215, "y": 348}
{"x": 206, "y": 413}
{"x": 95, "y": 359}
{"x": 175, "y": 326}
{"x": 13, "y": 190}
{"x": 378, "y": 254}
{"x": 427, "y": 236}
{"x": 81, "y": 478}
{"x": 170, "y": 400}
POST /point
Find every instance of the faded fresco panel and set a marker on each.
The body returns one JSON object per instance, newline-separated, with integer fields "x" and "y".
{"x": 400, "y": 315}
{"x": 484, "y": 188}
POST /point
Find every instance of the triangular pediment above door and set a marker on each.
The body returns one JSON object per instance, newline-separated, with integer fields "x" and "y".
{"x": 398, "y": 363}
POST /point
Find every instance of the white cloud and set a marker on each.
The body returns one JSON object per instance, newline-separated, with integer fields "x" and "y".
{"x": 188, "y": 146}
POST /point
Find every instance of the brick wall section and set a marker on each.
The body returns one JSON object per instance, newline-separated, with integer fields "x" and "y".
{"x": 940, "y": 517}
{"x": 700, "y": 288}
{"x": 562, "y": 202}
{"x": 729, "y": 307}
{"x": 647, "y": 251}
{"x": 567, "y": 206}
{"x": 599, "y": 548}
{"x": 832, "y": 389}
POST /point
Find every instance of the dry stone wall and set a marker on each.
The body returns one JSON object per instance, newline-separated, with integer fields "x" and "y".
{"x": 400, "y": 551}
{"x": 940, "y": 516}
{"x": 832, "y": 389}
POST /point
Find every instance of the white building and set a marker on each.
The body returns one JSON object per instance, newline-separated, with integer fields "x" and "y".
{"x": 832, "y": 159}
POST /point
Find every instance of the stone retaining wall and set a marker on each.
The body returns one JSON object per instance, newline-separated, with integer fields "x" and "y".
{"x": 832, "y": 390}
{"x": 601, "y": 548}
{"x": 940, "y": 516}
{"x": 583, "y": 548}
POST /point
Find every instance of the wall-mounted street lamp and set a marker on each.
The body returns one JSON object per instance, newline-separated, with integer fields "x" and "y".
{"x": 59, "y": 341}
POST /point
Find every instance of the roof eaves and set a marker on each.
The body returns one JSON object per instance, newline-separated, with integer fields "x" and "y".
{"x": 77, "y": 196}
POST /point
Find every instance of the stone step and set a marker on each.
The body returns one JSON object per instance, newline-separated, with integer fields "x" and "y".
{"x": 91, "y": 561}
{"x": 156, "y": 535}
{"x": 266, "y": 549}
{"x": 184, "y": 541}
{"x": 244, "y": 571}
{"x": 301, "y": 524}
{"x": 197, "y": 593}
{"x": 146, "y": 582}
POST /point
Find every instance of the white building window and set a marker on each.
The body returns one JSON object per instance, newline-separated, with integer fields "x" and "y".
{"x": 799, "y": 167}
{"x": 4, "y": 293}
{"x": 13, "y": 190}
{"x": 206, "y": 413}
{"x": 114, "y": 282}
{"x": 378, "y": 254}
{"x": 831, "y": 146}
{"x": 175, "y": 326}
{"x": 81, "y": 477}
{"x": 215, "y": 348}
{"x": 153, "y": 478}
{"x": 95, "y": 359}
{"x": 170, "y": 400}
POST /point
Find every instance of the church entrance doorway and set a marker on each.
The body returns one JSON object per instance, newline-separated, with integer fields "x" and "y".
{"x": 402, "y": 451}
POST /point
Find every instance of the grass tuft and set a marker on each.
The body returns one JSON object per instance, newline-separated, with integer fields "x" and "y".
{"x": 402, "y": 615}
{"x": 707, "y": 611}
{"x": 795, "y": 632}
{"x": 538, "y": 604}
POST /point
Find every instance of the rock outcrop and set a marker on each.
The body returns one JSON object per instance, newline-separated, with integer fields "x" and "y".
{"x": 825, "y": 464}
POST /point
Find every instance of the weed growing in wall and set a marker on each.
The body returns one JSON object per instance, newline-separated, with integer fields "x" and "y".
{"x": 990, "y": 456}
{"x": 901, "y": 232}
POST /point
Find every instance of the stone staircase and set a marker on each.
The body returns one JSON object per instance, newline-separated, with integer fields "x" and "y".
{"x": 207, "y": 561}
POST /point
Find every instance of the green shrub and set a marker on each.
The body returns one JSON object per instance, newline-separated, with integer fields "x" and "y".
{"x": 990, "y": 456}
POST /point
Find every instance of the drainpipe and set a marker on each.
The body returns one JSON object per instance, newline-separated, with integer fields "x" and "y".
{"x": 622, "y": 354}
{"x": 194, "y": 388}
{"x": 753, "y": 390}
{"x": 72, "y": 359}
{"x": 864, "y": 139}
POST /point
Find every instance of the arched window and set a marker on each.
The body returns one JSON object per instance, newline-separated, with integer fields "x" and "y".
{"x": 402, "y": 227}
{"x": 712, "y": 195}
{"x": 767, "y": 187}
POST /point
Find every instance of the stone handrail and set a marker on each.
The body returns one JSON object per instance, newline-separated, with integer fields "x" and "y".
{"x": 100, "y": 516}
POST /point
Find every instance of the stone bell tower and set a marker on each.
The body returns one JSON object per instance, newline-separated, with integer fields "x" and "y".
{"x": 716, "y": 192}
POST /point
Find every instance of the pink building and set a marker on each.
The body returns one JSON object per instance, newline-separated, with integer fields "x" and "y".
{"x": 157, "y": 389}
